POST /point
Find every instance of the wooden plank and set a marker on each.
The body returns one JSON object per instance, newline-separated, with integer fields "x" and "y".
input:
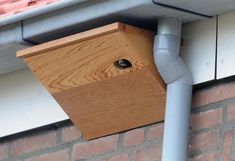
{"x": 82, "y": 37}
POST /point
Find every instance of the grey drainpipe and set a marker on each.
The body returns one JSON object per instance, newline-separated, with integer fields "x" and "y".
{"x": 179, "y": 89}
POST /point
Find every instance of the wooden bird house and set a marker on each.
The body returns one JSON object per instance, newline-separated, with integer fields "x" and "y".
{"x": 104, "y": 79}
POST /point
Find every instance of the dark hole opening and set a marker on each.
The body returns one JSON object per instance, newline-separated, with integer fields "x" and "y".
{"x": 123, "y": 64}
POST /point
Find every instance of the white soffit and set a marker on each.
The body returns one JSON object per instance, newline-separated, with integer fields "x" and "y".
{"x": 25, "y": 104}
{"x": 226, "y": 47}
{"x": 10, "y": 42}
{"x": 205, "y": 7}
{"x": 8, "y": 60}
{"x": 199, "y": 49}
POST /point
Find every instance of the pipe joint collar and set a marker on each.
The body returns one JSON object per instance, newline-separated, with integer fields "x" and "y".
{"x": 169, "y": 64}
{"x": 169, "y": 42}
{"x": 166, "y": 49}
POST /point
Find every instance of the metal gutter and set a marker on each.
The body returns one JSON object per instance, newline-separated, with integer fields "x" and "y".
{"x": 91, "y": 14}
{"x": 177, "y": 8}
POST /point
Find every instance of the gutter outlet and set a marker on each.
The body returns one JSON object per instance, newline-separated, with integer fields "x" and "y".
{"x": 179, "y": 89}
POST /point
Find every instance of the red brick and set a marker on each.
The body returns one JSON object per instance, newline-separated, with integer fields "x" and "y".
{"x": 155, "y": 132}
{"x": 3, "y": 151}
{"x": 134, "y": 137}
{"x": 33, "y": 143}
{"x": 149, "y": 154}
{"x": 204, "y": 140}
{"x": 227, "y": 145}
{"x": 205, "y": 157}
{"x": 214, "y": 94}
{"x": 56, "y": 156}
{"x": 120, "y": 158}
{"x": 95, "y": 147}
{"x": 70, "y": 134}
{"x": 11, "y": 7}
{"x": 231, "y": 113}
{"x": 207, "y": 119}
{"x": 16, "y": 6}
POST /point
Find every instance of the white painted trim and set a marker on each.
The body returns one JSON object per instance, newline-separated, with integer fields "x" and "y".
{"x": 25, "y": 104}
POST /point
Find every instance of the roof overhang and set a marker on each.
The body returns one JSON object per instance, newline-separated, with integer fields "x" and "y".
{"x": 68, "y": 17}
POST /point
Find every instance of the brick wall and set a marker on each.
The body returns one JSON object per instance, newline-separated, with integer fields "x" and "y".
{"x": 211, "y": 136}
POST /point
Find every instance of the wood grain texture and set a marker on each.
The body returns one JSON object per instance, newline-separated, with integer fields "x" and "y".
{"x": 100, "y": 98}
{"x": 114, "y": 105}
{"x": 83, "y": 36}
{"x": 83, "y": 63}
